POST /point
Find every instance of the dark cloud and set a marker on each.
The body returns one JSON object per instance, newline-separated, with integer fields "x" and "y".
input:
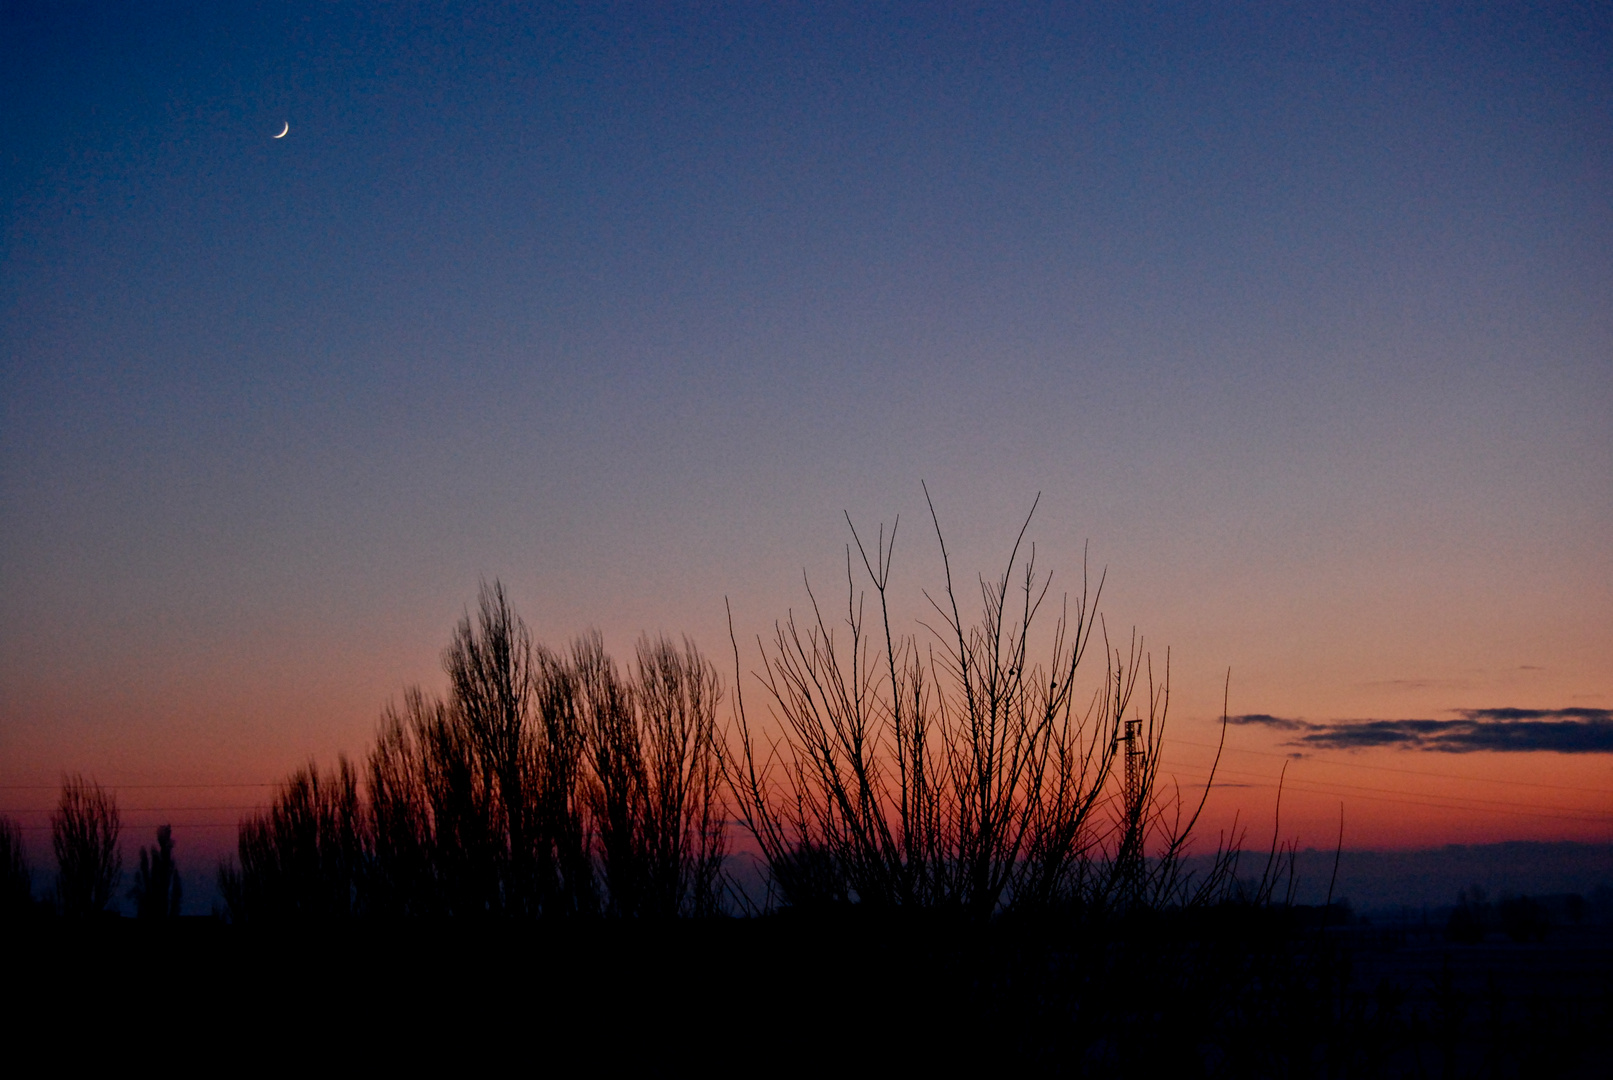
{"x": 1267, "y": 720}
{"x": 1591, "y": 715}
{"x": 1564, "y": 731}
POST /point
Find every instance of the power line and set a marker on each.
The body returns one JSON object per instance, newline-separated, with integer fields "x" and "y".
{"x": 131, "y": 787}
{"x": 176, "y": 826}
{"x": 125, "y": 811}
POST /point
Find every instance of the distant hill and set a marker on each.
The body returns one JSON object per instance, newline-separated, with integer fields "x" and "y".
{"x": 1376, "y": 880}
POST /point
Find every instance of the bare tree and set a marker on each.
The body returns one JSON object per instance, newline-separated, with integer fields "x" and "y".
{"x": 303, "y": 857}
{"x": 684, "y": 820}
{"x": 478, "y": 802}
{"x": 157, "y": 889}
{"x": 515, "y": 707}
{"x": 409, "y": 802}
{"x": 84, "y": 832}
{"x": 657, "y": 777}
{"x": 489, "y": 665}
{"x": 618, "y": 781}
{"x": 557, "y": 761}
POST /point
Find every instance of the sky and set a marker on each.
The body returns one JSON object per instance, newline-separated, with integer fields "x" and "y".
{"x": 1296, "y": 318}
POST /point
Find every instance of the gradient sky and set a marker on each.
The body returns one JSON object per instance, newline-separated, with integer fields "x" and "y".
{"x": 1300, "y": 315}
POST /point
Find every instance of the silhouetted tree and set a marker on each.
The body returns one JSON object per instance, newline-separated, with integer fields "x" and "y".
{"x": 406, "y": 811}
{"x": 684, "y": 819}
{"x": 558, "y": 765}
{"x": 489, "y": 665}
{"x": 540, "y": 774}
{"x": 16, "y": 880}
{"x": 479, "y": 802}
{"x": 157, "y": 890}
{"x": 84, "y": 831}
{"x": 302, "y": 858}
{"x": 656, "y": 776}
{"x": 605, "y": 708}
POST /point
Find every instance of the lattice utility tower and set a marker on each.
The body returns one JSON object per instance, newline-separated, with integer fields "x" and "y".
{"x": 1136, "y": 768}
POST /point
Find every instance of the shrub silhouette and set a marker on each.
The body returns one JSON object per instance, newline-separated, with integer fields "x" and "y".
{"x": 964, "y": 776}
{"x": 16, "y": 880}
{"x": 84, "y": 832}
{"x": 157, "y": 889}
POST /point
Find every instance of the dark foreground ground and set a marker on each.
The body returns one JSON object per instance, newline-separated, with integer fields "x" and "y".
{"x": 1227, "y": 993}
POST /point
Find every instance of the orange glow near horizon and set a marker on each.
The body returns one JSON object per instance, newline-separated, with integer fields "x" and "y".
{"x": 205, "y": 748}
{"x": 1397, "y": 799}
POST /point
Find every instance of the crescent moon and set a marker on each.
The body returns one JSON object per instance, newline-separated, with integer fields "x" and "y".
{"x": 283, "y": 133}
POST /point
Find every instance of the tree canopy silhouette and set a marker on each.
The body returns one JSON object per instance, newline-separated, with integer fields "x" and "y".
{"x": 543, "y": 784}
{"x": 157, "y": 890}
{"x": 84, "y": 831}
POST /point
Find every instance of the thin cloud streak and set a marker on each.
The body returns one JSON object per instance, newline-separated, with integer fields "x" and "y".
{"x": 1563, "y": 731}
